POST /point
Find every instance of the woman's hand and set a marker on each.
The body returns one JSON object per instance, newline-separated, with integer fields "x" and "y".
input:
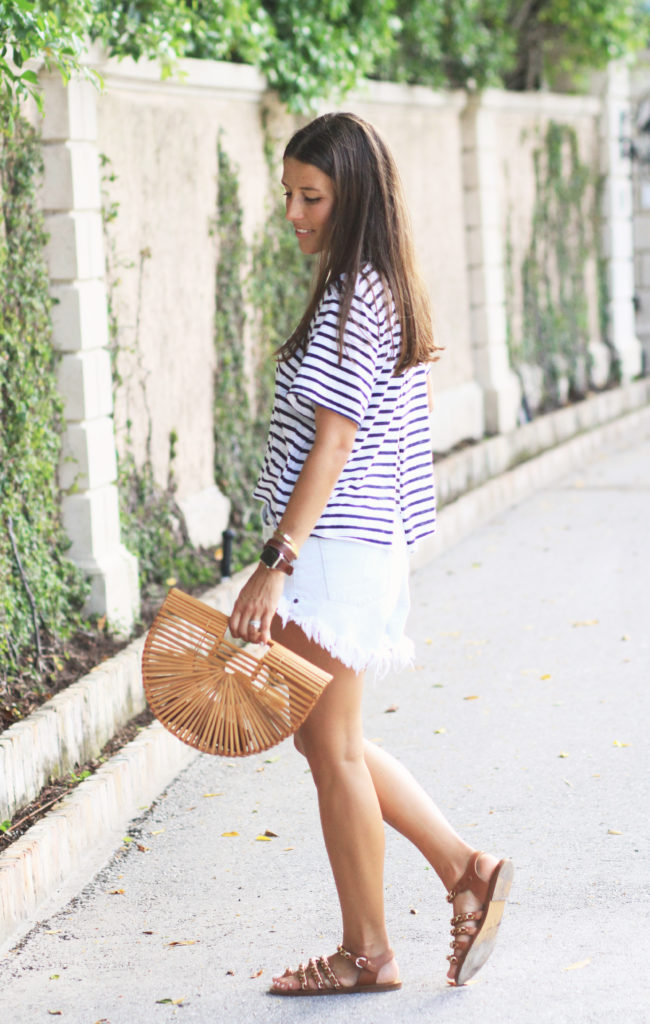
{"x": 257, "y": 602}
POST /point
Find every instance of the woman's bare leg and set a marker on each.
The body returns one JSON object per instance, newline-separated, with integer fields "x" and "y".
{"x": 407, "y": 808}
{"x": 411, "y": 811}
{"x": 332, "y": 741}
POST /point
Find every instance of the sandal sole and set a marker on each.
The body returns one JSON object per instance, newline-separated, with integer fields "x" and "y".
{"x": 343, "y": 991}
{"x": 485, "y": 938}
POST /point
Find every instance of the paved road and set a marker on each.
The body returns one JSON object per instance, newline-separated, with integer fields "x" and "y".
{"x": 526, "y": 715}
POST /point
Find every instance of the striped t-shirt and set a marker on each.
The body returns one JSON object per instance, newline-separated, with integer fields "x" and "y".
{"x": 389, "y": 472}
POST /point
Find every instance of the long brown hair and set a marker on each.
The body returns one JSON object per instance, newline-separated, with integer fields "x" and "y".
{"x": 369, "y": 224}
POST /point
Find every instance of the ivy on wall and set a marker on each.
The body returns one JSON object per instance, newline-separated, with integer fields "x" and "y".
{"x": 272, "y": 282}
{"x": 151, "y": 521}
{"x": 322, "y": 48}
{"x": 564, "y": 238}
{"x": 41, "y": 591}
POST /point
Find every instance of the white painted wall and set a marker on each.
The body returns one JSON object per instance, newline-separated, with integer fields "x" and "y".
{"x": 466, "y": 165}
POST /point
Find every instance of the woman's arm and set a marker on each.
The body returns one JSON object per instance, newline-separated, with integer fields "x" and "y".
{"x": 330, "y": 451}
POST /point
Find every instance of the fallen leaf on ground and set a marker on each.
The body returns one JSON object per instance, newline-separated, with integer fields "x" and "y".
{"x": 231, "y": 973}
{"x": 143, "y": 849}
{"x": 288, "y": 849}
{"x": 585, "y": 622}
{"x": 567, "y": 783}
{"x": 262, "y": 839}
{"x": 547, "y": 675}
{"x": 173, "y": 1002}
{"x": 158, "y": 832}
{"x": 617, "y": 743}
{"x": 474, "y": 696}
{"x": 393, "y": 707}
{"x": 116, "y": 892}
{"x": 228, "y": 834}
{"x": 55, "y": 1013}
{"x": 578, "y": 965}
{"x": 412, "y": 910}
{"x": 54, "y": 931}
{"x": 563, "y": 753}
{"x": 613, "y": 832}
{"x": 428, "y": 640}
{"x": 183, "y": 942}
{"x": 269, "y": 834}
{"x": 257, "y": 974}
{"x": 440, "y": 731}
{"x": 53, "y": 977}
{"x": 625, "y": 636}
{"x": 208, "y": 795}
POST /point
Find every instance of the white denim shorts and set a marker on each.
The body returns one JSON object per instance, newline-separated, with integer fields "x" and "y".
{"x": 353, "y": 600}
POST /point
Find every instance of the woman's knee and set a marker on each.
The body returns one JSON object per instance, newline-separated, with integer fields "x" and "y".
{"x": 329, "y": 762}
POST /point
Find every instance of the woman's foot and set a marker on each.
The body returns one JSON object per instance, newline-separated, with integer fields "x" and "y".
{"x": 479, "y": 901}
{"x": 340, "y": 973}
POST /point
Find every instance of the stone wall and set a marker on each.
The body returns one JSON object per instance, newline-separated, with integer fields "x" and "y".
{"x": 641, "y": 198}
{"x": 467, "y": 167}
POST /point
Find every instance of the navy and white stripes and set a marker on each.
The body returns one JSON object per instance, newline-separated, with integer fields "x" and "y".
{"x": 390, "y": 469}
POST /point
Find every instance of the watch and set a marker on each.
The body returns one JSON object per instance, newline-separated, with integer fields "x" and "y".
{"x": 274, "y": 559}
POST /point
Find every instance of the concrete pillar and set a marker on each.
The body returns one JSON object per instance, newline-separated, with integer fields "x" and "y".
{"x": 72, "y": 206}
{"x": 613, "y": 87}
{"x": 486, "y": 268}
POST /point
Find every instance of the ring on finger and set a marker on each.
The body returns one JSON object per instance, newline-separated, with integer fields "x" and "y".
{"x": 255, "y": 623}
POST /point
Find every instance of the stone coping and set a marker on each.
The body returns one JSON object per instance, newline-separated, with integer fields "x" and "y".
{"x": 474, "y": 484}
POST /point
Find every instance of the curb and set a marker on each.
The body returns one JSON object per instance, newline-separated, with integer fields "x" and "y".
{"x": 86, "y": 827}
{"x": 78, "y": 836}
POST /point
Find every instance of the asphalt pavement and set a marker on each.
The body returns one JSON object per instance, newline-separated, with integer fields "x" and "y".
{"x": 526, "y": 717}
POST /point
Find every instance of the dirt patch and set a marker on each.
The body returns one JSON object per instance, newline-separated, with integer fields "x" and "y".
{"x": 63, "y": 663}
{"x": 50, "y": 795}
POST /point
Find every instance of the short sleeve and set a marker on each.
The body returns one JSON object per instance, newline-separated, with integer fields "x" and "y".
{"x": 344, "y": 385}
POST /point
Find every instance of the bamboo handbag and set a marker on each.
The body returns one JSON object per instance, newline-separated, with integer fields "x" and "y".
{"x": 218, "y": 697}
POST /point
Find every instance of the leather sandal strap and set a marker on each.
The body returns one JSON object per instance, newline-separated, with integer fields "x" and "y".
{"x": 371, "y": 964}
{"x": 312, "y": 967}
{"x": 324, "y": 965}
{"x": 468, "y": 880}
{"x": 472, "y": 915}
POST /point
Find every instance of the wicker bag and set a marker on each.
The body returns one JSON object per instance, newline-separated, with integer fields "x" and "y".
{"x": 218, "y": 697}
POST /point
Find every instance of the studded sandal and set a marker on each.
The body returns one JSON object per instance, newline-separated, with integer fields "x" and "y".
{"x": 469, "y": 954}
{"x": 317, "y": 978}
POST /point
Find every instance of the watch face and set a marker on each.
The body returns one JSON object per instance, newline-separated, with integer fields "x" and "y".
{"x": 270, "y": 557}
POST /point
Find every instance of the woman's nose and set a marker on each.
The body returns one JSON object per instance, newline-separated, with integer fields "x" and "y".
{"x": 292, "y": 213}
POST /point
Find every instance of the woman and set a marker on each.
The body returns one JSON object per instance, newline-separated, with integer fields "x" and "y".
{"x": 347, "y": 488}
